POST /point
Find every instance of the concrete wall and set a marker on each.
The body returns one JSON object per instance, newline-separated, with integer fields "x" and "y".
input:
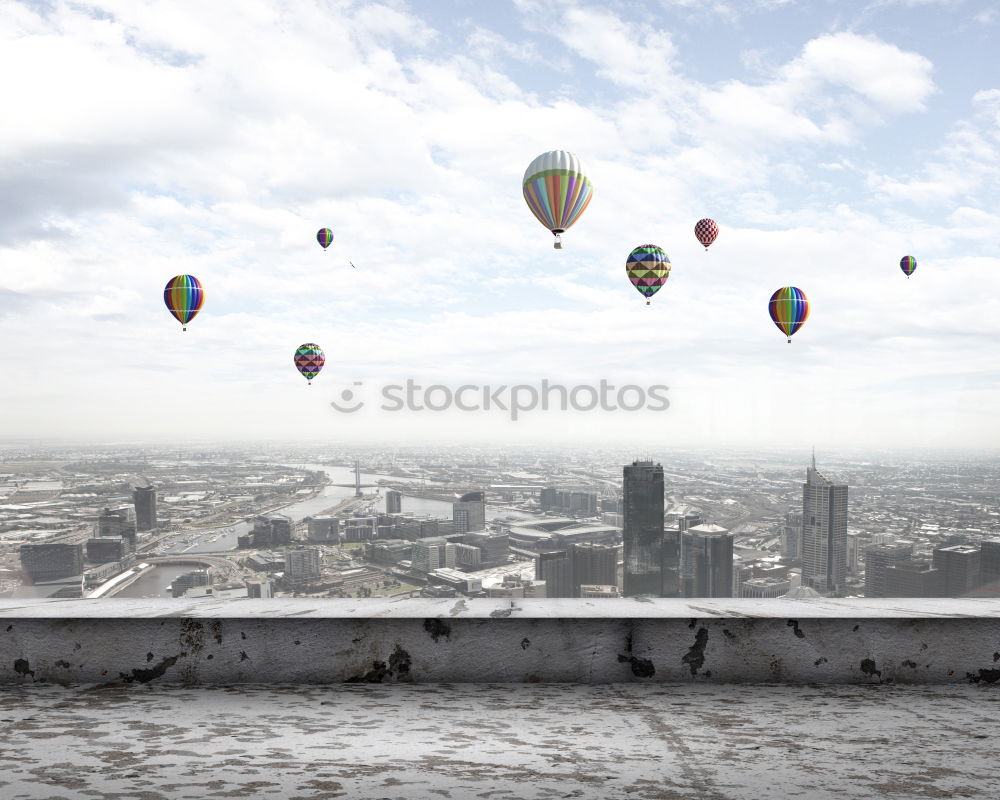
{"x": 599, "y": 641}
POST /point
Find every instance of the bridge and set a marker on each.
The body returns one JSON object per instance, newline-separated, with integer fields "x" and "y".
{"x": 357, "y": 485}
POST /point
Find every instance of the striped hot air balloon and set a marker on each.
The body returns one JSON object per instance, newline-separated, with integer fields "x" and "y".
{"x": 325, "y": 237}
{"x": 648, "y": 267}
{"x": 908, "y": 264}
{"x": 184, "y": 297}
{"x": 309, "y": 360}
{"x": 789, "y": 309}
{"x": 557, "y": 191}
{"x": 706, "y": 230}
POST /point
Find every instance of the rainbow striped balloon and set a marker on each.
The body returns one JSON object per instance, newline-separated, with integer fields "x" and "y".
{"x": 184, "y": 297}
{"x": 556, "y": 191}
{"x": 325, "y": 237}
{"x": 309, "y": 360}
{"x": 648, "y": 267}
{"x": 789, "y": 309}
{"x": 907, "y": 264}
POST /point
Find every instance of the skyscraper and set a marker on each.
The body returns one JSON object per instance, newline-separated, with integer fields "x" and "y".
{"x": 791, "y": 536}
{"x": 556, "y": 569}
{"x": 878, "y": 558}
{"x": 959, "y": 565}
{"x": 144, "y": 498}
{"x": 393, "y": 502}
{"x": 824, "y": 533}
{"x": 469, "y": 513}
{"x": 989, "y": 564}
{"x": 593, "y": 564}
{"x": 643, "y": 529}
{"x": 706, "y": 562}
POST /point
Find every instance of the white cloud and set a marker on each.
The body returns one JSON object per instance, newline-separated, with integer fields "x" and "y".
{"x": 216, "y": 138}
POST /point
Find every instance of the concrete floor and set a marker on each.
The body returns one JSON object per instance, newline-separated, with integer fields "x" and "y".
{"x": 511, "y": 741}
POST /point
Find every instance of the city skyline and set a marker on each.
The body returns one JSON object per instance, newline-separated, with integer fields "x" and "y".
{"x": 827, "y": 145}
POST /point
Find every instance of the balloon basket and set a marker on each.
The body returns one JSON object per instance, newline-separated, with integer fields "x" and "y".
{"x": 647, "y": 303}
{"x": 557, "y": 245}
{"x": 183, "y": 329}
{"x": 789, "y": 339}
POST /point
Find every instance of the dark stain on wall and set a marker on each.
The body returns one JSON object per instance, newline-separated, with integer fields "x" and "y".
{"x": 437, "y": 628}
{"x": 869, "y": 667}
{"x": 987, "y": 675}
{"x": 23, "y": 668}
{"x": 695, "y": 657}
{"x": 794, "y": 625}
{"x": 146, "y": 675}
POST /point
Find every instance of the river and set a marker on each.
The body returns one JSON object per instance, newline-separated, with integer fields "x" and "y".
{"x": 155, "y": 583}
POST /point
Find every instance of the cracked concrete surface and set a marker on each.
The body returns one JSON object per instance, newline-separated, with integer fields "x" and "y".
{"x": 516, "y": 741}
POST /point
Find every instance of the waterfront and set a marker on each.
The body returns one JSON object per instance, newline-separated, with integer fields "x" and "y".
{"x": 156, "y": 582}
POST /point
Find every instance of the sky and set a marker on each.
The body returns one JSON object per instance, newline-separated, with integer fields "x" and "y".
{"x": 139, "y": 141}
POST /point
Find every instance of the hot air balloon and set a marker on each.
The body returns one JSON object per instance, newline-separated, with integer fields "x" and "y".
{"x": 309, "y": 360}
{"x": 907, "y": 264}
{"x": 325, "y": 237}
{"x": 789, "y": 309}
{"x": 648, "y": 267}
{"x": 557, "y": 191}
{"x": 184, "y": 296}
{"x": 706, "y": 230}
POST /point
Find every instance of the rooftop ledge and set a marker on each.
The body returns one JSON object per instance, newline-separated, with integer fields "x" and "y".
{"x": 459, "y": 608}
{"x": 213, "y": 642}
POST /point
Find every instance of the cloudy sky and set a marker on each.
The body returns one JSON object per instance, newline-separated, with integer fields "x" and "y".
{"x": 828, "y": 139}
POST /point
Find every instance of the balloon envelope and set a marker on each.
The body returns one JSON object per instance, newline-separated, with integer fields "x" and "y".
{"x": 184, "y": 297}
{"x": 309, "y": 360}
{"x": 706, "y": 230}
{"x": 789, "y": 309}
{"x": 556, "y": 189}
{"x": 325, "y": 237}
{"x": 908, "y": 264}
{"x": 648, "y": 267}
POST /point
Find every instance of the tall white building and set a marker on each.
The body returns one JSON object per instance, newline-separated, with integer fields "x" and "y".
{"x": 824, "y": 533}
{"x": 469, "y": 513}
{"x": 303, "y": 565}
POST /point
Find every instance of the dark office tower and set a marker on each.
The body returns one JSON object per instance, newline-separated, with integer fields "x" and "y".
{"x": 989, "y": 564}
{"x": 469, "y": 513}
{"x": 49, "y": 562}
{"x": 144, "y": 498}
{"x": 116, "y": 522}
{"x": 824, "y": 533}
{"x": 643, "y": 529}
{"x": 912, "y": 579}
{"x": 670, "y": 562}
{"x": 959, "y": 566}
{"x": 393, "y": 502}
{"x": 791, "y": 536}
{"x": 556, "y": 569}
{"x": 593, "y": 564}
{"x": 548, "y": 498}
{"x": 689, "y": 521}
{"x": 706, "y": 566}
{"x": 878, "y": 558}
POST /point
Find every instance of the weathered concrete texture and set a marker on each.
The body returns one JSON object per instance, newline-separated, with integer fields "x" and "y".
{"x": 538, "y": 742}
{"x": 457, "y": 642}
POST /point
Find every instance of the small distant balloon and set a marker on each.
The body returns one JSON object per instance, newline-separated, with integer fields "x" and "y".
{"x": 706, "y": 230}
{"x": 557, "y": 191}
{"x": 648, "y": 267}
{"x": 184, "y": 296}
{"x": 309, "y": 360}
{"x": 908, "y": 264}
{"x": 789, "y": 309}
{"x": 325, "y": 237}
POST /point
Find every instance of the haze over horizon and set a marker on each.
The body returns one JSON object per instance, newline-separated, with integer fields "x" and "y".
{"x": 827, "y": 139}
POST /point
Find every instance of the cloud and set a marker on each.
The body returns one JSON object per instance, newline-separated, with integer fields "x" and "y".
{"x": 216, "y": 139}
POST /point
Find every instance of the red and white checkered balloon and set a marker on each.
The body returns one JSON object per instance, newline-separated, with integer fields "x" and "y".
{"x": 706, "y": 230}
